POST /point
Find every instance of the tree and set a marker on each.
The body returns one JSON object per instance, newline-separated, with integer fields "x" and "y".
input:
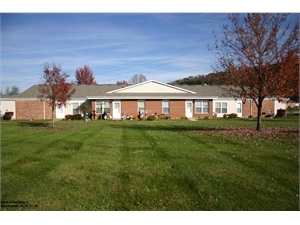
{"x": 14, "y": 90}
{"x": 84, "y": 75}
{"x": 123, "y": 82}
{"x": 260, "y": 55}
{"x": 54, "y": 88}
{"x": 137, "y": 78}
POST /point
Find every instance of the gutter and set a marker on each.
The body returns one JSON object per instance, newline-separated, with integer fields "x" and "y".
{"x": 148, "y": 97}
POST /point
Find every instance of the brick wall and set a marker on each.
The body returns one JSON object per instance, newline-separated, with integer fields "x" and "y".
{"x": 177, "y": 108}
{"x": 129, "y": 107}
{"x": 33, "y": 109}
{"x": 268, "y": 106}
{"x": 154, "y": 106}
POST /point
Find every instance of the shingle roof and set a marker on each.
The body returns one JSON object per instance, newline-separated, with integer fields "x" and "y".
{"x": 83, "y": 90}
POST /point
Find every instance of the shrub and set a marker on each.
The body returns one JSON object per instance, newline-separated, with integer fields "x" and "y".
{"x": 206, "y": 117}
{"x": 151, "y": 118}
{"x": 8, "y": 115}
{"x": 162, "y": 116}
{"x": 231, "y": 115}
{"x": 183, "y": 118}
{"x": 76, "y": 117}
{"x": 68, "y": 117}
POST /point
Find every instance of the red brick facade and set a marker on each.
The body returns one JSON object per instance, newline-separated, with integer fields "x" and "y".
{"x": 154, "y": 106}
{"x": 250, "y": 108}
{"x": 177, "y": 108}
{"x": 36, "y": 110}
{"x": 129, "y": 107}
{"x": 33, "y": 110}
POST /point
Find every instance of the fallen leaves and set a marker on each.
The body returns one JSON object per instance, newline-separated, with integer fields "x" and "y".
{"x": 266, "y": 132}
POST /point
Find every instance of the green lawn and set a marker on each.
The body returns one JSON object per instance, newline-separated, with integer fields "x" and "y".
{"x": 150, "y": 165}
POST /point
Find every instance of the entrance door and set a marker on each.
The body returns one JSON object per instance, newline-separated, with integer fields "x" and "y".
{"x": 116, "y": 110}
{"x": 60, "y": 112}
{"x": 189, "y": 109}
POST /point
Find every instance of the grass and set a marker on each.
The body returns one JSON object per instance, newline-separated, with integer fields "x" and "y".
{"x": 147, "y": 165}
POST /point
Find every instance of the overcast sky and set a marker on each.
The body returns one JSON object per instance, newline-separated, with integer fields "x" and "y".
{"x": 116, "y": 46}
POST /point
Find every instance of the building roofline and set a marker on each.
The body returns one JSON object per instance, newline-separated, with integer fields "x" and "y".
{"x": 153, "y": 81}
{"x": 148, "y": 97}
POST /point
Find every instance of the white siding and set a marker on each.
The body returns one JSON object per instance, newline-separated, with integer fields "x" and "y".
{"x": 151, "y": 87}
{"x": 8, "y": 106}
{"x": 279, "y": 105}
{"x": 68, "y": 109}
{"x": 231, "y": 106}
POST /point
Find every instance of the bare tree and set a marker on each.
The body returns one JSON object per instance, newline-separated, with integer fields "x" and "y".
{"x": 137, "y": 78}
{"x": 123, "y": 82}
{"x": 14, "y": 90}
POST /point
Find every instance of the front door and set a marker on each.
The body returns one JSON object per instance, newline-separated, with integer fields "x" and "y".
{"x": 116, "y": 110}
{"x": 189, "y": 109}
{"x": 60, "y": 112}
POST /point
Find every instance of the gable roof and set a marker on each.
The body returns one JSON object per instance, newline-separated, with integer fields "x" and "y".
{"x": 152, "y": 86}
{"x": 147, "y": 90}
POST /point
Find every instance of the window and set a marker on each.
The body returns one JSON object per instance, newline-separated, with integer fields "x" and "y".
{"x": 75, "y": 106}
{"x": 166, "y": 107}
{"x": 221, "y": 107}
{"x": 104, "y": 104}
{"x": 201, "y": 106}
{"x": 142, "y": 106}
{"x": 98, "y": 107}
{"x": 239, "y": 107}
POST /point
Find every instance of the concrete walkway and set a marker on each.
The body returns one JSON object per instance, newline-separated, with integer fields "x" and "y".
{"x": 192, "y": 119}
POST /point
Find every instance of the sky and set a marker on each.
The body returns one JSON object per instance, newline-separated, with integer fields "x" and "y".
{"x": 163, "y": 46}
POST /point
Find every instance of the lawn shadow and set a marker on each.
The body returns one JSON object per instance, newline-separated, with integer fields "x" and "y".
{"x": 33, "y": 124}
{"x": 173, "y": 128}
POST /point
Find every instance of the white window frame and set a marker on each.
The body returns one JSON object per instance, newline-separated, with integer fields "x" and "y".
{"x": 141, "y": 106}
{"x": 239, "y": 107}
{"x": 74, "y": 109}
{"x": 222, "y": 109}
{"x": 166, "y": 106}
{"x": 201, "y": 106}
{"x": 106, "y": 106}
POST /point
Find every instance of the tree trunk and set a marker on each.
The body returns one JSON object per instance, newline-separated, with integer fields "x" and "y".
{"x": 259, "y": 108}
{"x": 53, "y": 117}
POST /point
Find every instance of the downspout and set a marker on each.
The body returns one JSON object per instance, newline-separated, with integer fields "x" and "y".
{"x": 251, "y": 107}
{"x": 44, "y": 110}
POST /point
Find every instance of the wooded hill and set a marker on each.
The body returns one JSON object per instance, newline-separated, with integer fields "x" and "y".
{"x": 209, "y": 79}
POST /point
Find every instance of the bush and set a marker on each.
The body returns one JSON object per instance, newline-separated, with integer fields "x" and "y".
{"x": 231, "y": 115}
{"x": 206, "y": 117}
{"x": 151, "y": 118}
{"x": 163, "y": 117}
{"x": 76, "y": 117}
{"x": 183, "y": 118}
{"x": 8, "y": 115}
{"x": 68, "y": 117}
